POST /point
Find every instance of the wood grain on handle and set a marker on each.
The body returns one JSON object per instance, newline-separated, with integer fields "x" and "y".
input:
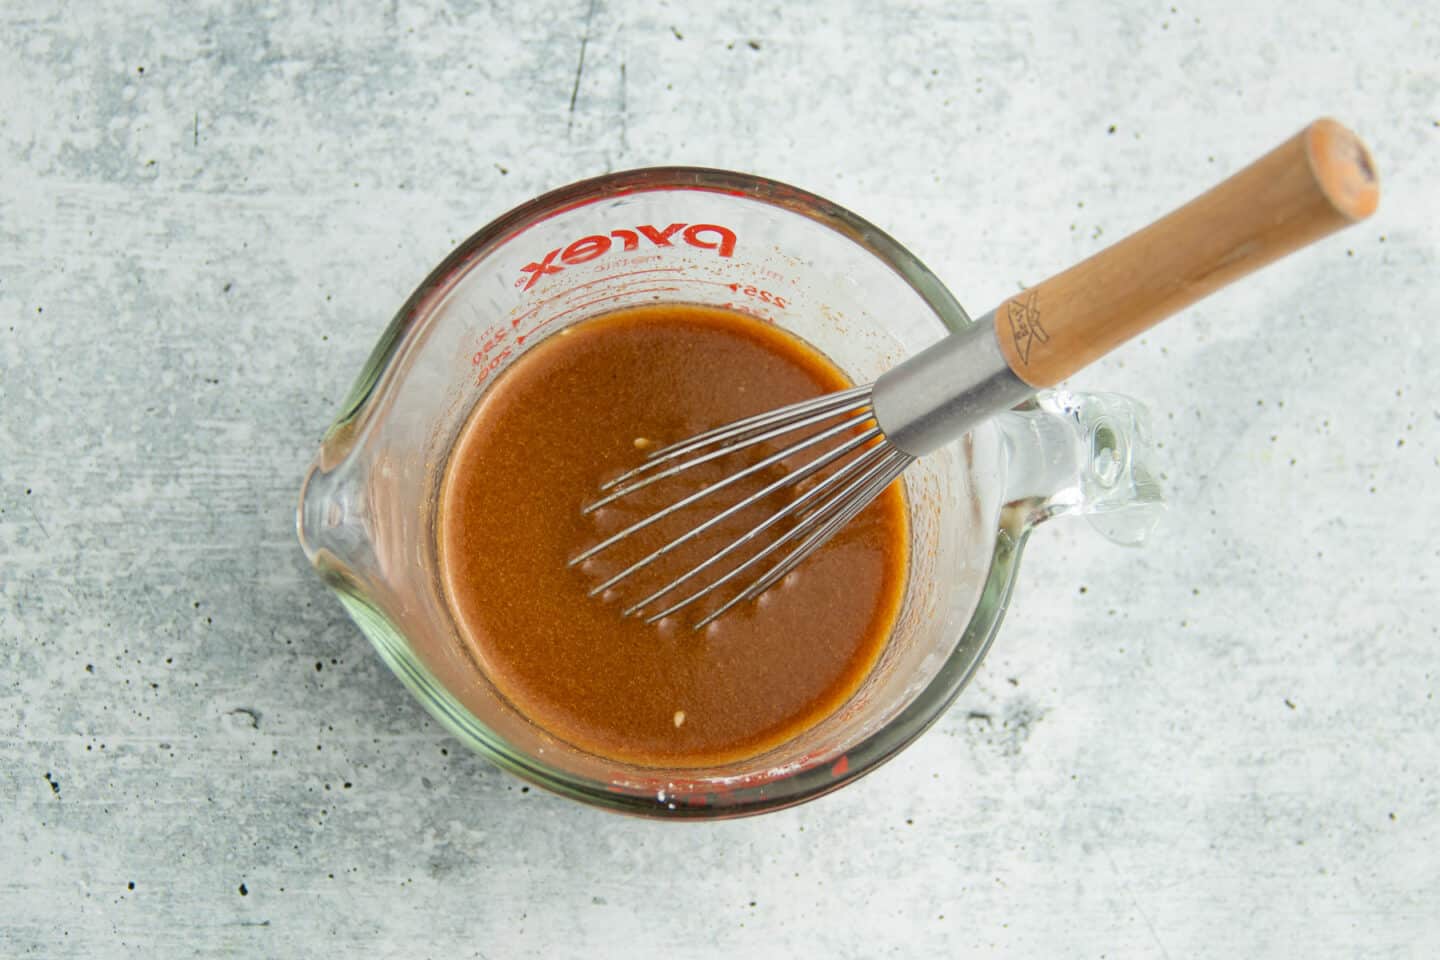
{"x": 1310, "y": 186}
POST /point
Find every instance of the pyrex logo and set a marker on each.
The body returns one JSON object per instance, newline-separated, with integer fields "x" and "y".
{"x": 706, "y": 236}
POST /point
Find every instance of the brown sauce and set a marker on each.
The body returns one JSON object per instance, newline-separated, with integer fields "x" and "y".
{"x": 566, "y": 417}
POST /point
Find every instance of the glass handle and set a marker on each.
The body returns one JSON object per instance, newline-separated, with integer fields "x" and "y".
{"x": 1086, "y": 453}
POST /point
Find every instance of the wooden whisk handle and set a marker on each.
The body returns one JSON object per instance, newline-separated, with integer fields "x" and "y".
{"x": 1320, "y": 180}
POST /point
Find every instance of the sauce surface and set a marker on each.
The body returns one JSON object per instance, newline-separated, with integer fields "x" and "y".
{"x": 581, "y": 408}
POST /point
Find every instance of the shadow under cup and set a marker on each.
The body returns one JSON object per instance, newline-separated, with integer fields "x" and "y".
{"x": 368, "y": 510}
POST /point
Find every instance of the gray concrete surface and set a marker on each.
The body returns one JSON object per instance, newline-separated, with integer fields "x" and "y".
{"x": 1223, "y": 744}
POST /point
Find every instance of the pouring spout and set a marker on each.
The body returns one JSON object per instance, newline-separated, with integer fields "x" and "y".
{"x": 1077, "y": 453}
{"x": 333, "y": 518}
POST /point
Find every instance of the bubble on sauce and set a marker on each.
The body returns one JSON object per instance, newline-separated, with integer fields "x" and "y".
{"x": 643, "y": 443}
{"x": 784, "y": 585}
{"x": 606, "y": 521}
{"x": 679, "y": 718}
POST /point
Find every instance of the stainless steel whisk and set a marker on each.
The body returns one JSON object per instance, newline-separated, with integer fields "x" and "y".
{"x": 867, "y": 473}
{"x": 1310, "y": 186}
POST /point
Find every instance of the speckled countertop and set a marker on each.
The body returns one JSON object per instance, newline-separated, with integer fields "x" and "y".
{"x": 1223, "y": 744}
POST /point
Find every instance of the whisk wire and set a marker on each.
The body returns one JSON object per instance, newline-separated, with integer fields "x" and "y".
{"x": 681, "y": 467}
{"x": 833, "y": 403}
{"x": 896, "y": 466}
{"x": 795, "y": 505}
{"x": 847, "y": 424}
{"x": 823, "y": 510}
{"x": 864, "y": 464}
{"x": 791, "y": 478}
{"x": 830, "y": 520}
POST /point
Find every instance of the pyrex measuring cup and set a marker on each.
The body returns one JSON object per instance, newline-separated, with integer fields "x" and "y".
{"x": 367, "y": 514}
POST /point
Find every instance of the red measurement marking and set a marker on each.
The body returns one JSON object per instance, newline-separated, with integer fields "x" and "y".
{"x": 750, "y": 290}
{"x": 589, "y": 303}
{"x": 606, "y": 279}
{"x": 493, "y": 364}
{"x": 494, "y": 340}
{"x": 711, "y": 283}
{"x": 746, "y": 309}
{"x": 516, "y": 321}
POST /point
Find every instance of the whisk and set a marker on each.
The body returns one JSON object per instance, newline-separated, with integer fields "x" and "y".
{"x": 862, "y": 439}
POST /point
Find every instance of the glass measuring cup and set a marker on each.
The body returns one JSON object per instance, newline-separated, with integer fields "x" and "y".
{"x": 367, "y": 513}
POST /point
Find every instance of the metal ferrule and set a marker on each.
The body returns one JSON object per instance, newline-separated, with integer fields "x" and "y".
{"x": 941, "y": 392}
